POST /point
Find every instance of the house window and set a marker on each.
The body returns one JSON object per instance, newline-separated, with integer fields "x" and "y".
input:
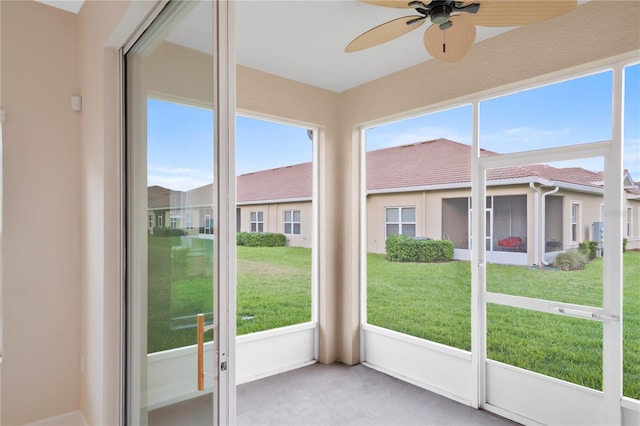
{"x": 173, "y": 221}
{"x": 150, "y": 221}
{"x": 575, "y": 222}
{"x": 257, "y": 222}
{"x": 400, "y": 221}
{"x": 189, "y": 221}
{"x": 159, "y": 220}
{"x": 627, "y": 225}
{"x": 292, "y": 222}
{"x": 207, "y": 224}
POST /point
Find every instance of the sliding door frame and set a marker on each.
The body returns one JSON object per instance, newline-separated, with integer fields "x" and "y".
{"x": 224, "y": 96}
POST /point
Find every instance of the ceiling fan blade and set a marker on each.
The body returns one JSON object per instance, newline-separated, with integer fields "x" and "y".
{"x": 385, "y": 32}
{"x": 452, "y": 44}
{"x": 402, "y": 4}
{"x": 511, "y": 13}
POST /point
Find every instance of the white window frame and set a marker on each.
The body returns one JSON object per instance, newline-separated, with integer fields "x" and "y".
{"x": 159, "y": 219}
{"x": 255, "y": 223}
{"x": 628, "y": 223}
{"x": 400, "y": 222}
{"x": 173, "y": 221}
{"x": 577, "y": 221}
{"x": 152, "y": 221}
{"x": 292, "y": 222}
{"x": 189, "y": 221}
{"x": 207, "y": 221}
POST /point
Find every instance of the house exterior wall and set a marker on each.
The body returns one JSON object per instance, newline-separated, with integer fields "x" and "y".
{"x": 274, "y": 220}
{"x": 429, "y": 214}
{"x": 633, "y": 240}
{"x": 590, "y": 211}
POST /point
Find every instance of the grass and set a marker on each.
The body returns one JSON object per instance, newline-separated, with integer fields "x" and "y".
{"x": 435, "y": 299}
{"x": 431, "y": 301}
{"x": 273, "y": 290}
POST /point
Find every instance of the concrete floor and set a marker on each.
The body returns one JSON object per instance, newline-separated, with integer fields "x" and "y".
{"x": 330, "y": 395}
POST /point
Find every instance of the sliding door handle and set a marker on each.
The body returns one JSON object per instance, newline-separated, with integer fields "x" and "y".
{"x": 201, "y": 330}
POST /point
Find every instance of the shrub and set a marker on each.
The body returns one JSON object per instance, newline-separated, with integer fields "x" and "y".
{"x": 624, "y": 245}
{"x": 589, "y": 249}
{"x": 168, "y": 232}
{"x": 401, "y": 248}
{"x": 266, "y": 239}
{"x": 570, "y": 260}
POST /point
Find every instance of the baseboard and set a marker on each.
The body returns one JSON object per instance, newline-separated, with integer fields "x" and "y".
{"x": 74, "y": 418}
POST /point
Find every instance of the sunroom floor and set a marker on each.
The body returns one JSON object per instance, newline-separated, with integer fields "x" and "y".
{"x": 333, "y": 394}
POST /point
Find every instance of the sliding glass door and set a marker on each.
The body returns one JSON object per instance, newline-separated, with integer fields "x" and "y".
{"x": 180, "y": 230}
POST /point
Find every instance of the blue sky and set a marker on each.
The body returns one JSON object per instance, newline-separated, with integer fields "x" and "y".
{"x": 180, "y": 152}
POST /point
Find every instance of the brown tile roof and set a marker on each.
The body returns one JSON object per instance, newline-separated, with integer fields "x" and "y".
{"x": 158, "y": 196}
{"x": 429, "y": 163}
{"x": 275, "y": 184}
{"x": 433, "y": 162}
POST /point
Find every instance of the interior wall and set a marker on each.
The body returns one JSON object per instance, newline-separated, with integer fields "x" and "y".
{"x": 41, "y": 208}
{"x": 102, "y": 28}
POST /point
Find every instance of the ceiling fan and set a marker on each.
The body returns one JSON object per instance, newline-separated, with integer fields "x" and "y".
{"x": 453, "y": 28}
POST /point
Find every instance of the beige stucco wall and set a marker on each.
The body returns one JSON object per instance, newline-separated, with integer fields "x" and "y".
{"x": 273, "y": 215}
{"x": 428, "y": 206}
{"x": 42, "y": 213}
{"x": 634, "y": 238}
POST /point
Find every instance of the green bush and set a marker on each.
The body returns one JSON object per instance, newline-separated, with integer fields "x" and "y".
{"x": 570, "y": 260}
{"x": 624, "y": 245}
{"x": 589, "y": 249}
{"x": 401, "y": 248}
{"x": 265, "y": 239}
{"x": 168, "y": 232}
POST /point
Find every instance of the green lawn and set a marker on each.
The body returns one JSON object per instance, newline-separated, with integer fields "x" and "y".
{"x": 431, "y": 301}
{"x": 273, "y": 290}
{"x": 435, "y": 304}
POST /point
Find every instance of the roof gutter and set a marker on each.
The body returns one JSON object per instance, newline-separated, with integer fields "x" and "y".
{"x": 536, "y": 214}
{"x": 544, "y": 221}
{"x": 496, "y": 182}
{"x": 273, "y": 201}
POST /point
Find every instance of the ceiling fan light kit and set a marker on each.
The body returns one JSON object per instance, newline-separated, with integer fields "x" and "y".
{"x": 453, "y": 29}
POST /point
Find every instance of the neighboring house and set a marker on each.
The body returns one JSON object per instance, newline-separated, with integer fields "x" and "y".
{"x": 423, "y": 190}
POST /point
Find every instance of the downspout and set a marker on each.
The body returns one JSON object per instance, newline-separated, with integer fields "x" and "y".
{"x": 536, "y": 214}
{"x": 544, "y": 221}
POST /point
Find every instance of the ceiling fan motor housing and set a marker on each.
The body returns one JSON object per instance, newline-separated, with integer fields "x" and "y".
{"x": 440, "y": 12}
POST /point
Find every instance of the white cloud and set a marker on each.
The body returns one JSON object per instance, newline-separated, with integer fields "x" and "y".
{"x": 524, "y": 138}
{"x": 179, "y": 179}
{"x": 380, "y": 139}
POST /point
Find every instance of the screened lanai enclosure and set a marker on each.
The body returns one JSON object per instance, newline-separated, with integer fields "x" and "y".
{"x": 267, "y": 167}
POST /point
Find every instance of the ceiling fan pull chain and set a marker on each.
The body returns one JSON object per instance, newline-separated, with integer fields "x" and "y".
{"x": 444, "y": 41}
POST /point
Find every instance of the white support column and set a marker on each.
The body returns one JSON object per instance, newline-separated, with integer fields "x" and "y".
{"x": 363, "y": 240}
{"x": 613, "y": 228}
{"x": 478, "y": 259}
{"x": 224, "y": 407}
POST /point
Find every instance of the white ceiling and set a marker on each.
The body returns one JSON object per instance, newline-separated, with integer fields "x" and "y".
{"x": 304, "y": 40}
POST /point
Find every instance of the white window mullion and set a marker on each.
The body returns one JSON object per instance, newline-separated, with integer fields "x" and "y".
{"x": 478, "y": 254}
{"x": 613, "y": 226}
{"x": 224, "y": 406}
